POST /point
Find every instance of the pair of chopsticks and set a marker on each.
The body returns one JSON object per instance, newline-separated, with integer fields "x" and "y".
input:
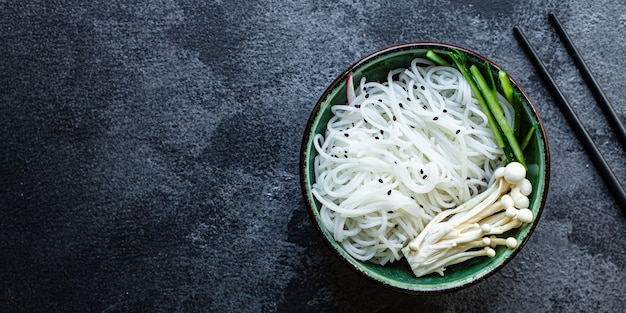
{"x": 607, "y": 174}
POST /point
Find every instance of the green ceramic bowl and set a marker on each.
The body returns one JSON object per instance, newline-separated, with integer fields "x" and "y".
{"x": 399, "y": 276}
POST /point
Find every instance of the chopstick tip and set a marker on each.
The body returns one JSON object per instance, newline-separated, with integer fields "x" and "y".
{"x": 552, "y": 17}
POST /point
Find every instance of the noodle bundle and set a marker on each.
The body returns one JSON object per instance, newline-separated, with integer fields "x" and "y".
{"x": 401, "y": 152}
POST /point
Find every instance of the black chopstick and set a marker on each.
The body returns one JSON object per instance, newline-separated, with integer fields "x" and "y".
{"x": 602, "y": 99}
{"x": 596, "y": 157}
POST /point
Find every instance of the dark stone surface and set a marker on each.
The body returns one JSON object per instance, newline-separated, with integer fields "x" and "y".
{"x": 149, "y": 154}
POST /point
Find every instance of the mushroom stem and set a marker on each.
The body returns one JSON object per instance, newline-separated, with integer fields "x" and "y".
{"x": 493, "y": 219}
{"x": 456, "y": 258}
{"x": 509, "y": 242}
{"x": 493, "y": 194}
{"x": 520, "y": 200}
{"x": 491, "y": 210}
{"x": 513, "y": 223}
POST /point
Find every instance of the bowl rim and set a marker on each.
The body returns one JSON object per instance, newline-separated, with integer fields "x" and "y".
{"x": 306, "y": 139}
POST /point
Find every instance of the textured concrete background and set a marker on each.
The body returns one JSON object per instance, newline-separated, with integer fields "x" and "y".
{"x": 149, "y": 154}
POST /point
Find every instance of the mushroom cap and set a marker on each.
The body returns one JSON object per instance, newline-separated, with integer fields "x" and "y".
{"x": 525, "y": 215}
{"x": 485, "y": 228}
{"x": 507, "y": 201}
{"x": 514, "y": 172}
{"x": 511, "y": 212}
{"x": 521, "y": 201}
{"x": 526, "y": 187}
{"x": 511, "y": 243}
{"x": 499, "y": 173}
{"x": 490, "y": 252}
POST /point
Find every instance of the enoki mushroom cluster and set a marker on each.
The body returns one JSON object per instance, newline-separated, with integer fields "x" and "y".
{"x": 472, "y": 229}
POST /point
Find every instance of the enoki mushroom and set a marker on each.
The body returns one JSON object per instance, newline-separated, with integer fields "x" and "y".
{"x": 471, "y": 230}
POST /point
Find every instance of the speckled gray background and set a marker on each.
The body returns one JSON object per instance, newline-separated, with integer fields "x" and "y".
{"x": 149, "y": 154}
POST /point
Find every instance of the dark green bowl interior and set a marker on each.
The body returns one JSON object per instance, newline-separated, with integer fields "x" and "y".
{"x": 399, "y": 276}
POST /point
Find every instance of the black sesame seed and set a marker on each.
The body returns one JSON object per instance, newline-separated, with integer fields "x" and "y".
{"x": 389, "y": 192}
{"x": 425, "y": 107}
{"x": 414, "y": 87}
{"x": 435, "y": 118}
{"x": 445, "y": 110}
{"x": 408, "y": 99}
{"x": 458, "y": 131}
{"x": 364, "y": 120}
{"x": 380, "y": 100}
{"x": 357, "y": 106}
{"x": 389, "y": 212}
{"x": 422, "y": 171}
{"x": 346, "y": 134}
{"x": 424, "y": 177}
{"x": 412, "y": 197}
{"x": 421, "y": 206}
{"x": 411, "y": 126}
{"x": 367, "y": 95}
{"x": 400, "y": 104}
{"x": 422, "y": 87}
{"x": 376, "y": 138}
{"x": 394, "y": 118}
{"x": 467, "y": 178}
{"x": 382, "y": 132}
{"x": 380, "y": 180}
